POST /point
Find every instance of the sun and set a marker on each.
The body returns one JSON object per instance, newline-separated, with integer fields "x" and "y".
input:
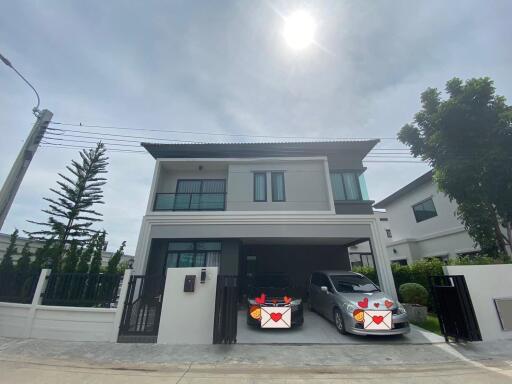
{"x": 299, "y": 30}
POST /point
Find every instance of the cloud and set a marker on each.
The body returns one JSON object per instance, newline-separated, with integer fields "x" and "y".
{"x": 223, "y": 67}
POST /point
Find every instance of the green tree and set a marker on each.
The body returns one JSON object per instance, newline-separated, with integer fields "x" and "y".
{"x": 86, "y": 254}
{"x": 42, "y": 255}
{"x": 23, "y": 263}
{"x": 467, "y": 139}
{"x": 98, "y": 250}
{"x": 72, "y": 256}
{"x": 113, "y": 263}
{"x": 71, "y": 212}
{"x": 6, "y": 265}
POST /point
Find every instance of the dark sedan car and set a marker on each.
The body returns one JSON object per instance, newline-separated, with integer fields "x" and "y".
{"x": 272, "y": 290}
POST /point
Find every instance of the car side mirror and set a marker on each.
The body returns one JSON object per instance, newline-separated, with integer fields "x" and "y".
{"x": 323, "y": 288}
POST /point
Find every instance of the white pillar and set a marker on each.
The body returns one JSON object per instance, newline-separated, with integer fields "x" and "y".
{"x": 142, "y": 250}
{"x": 36, "y": 300}
{"x": 382, "y": 263}
{"x": 120, "y": 305}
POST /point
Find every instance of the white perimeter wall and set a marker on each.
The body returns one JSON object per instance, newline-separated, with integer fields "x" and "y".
{"x": 187, "y": 317}
{"x": 61, "y": 323}
{"x": 486, "y": 283}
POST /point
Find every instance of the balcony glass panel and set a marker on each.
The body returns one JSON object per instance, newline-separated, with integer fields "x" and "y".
{"x": 190, "y": 202}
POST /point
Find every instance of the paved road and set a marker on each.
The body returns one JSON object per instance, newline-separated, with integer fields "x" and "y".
{"x": 40, "y": 361}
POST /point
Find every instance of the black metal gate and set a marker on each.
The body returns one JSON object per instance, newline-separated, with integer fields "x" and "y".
{"x": 226, "y": 310}
{"x": 142, "y": 308}
{"x": 454, "y": 308}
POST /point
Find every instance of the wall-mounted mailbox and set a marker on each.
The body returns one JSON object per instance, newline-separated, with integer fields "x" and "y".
{"x": 190, "y": 283}
{"x": 203, "y": 275}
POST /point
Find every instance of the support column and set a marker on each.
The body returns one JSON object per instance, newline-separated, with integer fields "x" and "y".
{"x": 36, "y": 300}
{"x": 120, "y": 305}
{"x": 381, "y": 260}
{"x": 142, "y": 250}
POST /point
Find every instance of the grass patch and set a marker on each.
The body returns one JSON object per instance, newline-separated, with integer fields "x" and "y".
{"x": 431, "y": 324}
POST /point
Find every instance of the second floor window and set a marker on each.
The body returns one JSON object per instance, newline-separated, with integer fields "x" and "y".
{"x": 345, "y": 186}
{"x": 277, "y": 186}
{"x": 260, "y": 186}
{"x": 424, "y": 210}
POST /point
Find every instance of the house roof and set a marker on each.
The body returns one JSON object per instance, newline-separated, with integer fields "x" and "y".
{"x": 426, "y": 178}
{"x": 246, "y": 150}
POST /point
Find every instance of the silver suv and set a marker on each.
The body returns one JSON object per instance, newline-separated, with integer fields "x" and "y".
{"x": 352, "y": 301}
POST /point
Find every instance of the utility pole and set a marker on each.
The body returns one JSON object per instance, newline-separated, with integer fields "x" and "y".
{"x": 20, "y": 166}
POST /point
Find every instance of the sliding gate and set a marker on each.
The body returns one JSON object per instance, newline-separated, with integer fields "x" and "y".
{"x": 454, "y": 308}
{"x": 142, "y": 308}
{"x": 226, "y": 310}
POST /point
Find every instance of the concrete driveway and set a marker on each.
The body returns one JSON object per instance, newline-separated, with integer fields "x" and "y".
{"x": 317, "y": 330}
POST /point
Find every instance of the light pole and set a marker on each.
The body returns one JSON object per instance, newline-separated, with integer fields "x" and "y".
{"x": 20, "y": 166}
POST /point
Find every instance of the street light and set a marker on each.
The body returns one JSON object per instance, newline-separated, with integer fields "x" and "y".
{"x": 35, "y": 110}
{"x": 27, "y": 152}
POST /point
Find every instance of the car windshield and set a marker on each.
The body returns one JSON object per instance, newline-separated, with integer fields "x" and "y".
{"x": 353, "y": 284}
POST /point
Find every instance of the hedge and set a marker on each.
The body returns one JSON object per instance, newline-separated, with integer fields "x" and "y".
{"x": 420, "y": 271}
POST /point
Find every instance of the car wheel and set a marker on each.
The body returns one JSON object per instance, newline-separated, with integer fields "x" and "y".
{"x": 338, "y": 321}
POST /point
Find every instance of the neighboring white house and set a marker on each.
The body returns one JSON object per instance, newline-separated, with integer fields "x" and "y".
{"x": 4, "y": 243}
{"x": 424, "y": 223}
{"x": 361, "y": 254}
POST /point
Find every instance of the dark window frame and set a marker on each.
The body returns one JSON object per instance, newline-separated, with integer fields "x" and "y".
{"x": 419, "y": 219}
{"x": 356, "y": 174}
{"x": 195, "y": 251}
{"x": 273, "y": 184}
{"x": 202, "y": 183}
{"x": 255, "y": 174}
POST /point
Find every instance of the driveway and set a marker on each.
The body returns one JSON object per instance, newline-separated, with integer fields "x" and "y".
{"x": 317, "y": 330}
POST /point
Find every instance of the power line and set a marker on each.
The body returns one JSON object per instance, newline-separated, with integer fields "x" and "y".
{"x": 219, "y": 133}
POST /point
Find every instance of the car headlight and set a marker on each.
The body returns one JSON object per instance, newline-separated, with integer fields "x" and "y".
{"x": 296, "y": 302}
{"x": 252, "y": 302}
{"x": 401, "y": 309}
{"x": 350, "y": 308}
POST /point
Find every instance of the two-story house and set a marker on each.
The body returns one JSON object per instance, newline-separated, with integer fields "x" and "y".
{"x": 424, "y": 224}
{"x": 257, "y": 208}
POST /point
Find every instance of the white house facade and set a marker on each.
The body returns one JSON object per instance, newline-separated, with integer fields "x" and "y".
{"x": 424, "y": 224}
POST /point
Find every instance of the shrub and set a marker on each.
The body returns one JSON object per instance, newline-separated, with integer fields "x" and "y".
{"x": 413, "y": 293}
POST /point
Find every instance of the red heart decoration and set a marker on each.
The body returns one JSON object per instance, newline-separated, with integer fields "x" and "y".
{"x": 261, "y": 299}
{"x": 287, "y": 300}
{"x": 388, "y": 303}
{"x": 277, "y": 316}
{"x": 363, "y": 303}
{"x": 378, "y": 319}
{"x": 376, "y": 305}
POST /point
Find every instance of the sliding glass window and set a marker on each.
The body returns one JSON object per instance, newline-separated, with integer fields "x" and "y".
{"x": 260, "y": 186}
{"x": 277, "y": 179}
{"x": 181, "y": 254}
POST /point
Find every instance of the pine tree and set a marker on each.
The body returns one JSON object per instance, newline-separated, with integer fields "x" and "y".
{"x": 6, "y": 265}
{"x": 98, "y": 250}
{"x": 85, "y": 257}
{"x": 42, "y": 255}
{"x": 72, "y": 256}
{"x": 71, "y": 213}
{"x": 113, "y": 263}
{"x": 23, "y": 263}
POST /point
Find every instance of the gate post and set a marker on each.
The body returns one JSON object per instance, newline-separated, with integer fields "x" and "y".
{"x": 120, "y": 305}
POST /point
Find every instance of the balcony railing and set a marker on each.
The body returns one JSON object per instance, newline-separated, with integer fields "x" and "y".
{"x": 190, "y": 202}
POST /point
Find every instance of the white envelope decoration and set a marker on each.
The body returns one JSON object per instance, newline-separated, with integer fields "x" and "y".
{"x": 276, "y": 317}
{"x": 378, "y": 320}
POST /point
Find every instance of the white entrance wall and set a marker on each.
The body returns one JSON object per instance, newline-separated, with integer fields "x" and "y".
{"x": 187, "y": 317}
{"x": 61, "y": 323}
{"x": 486, "y": 283}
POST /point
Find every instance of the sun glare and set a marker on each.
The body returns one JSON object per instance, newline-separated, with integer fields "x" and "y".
{"x": 299, "y": 30}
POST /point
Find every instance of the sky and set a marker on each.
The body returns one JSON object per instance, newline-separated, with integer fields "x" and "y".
{"x": 224, "y": 67}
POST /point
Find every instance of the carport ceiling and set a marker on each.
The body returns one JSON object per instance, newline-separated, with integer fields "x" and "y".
{"x": 302, "y": 240}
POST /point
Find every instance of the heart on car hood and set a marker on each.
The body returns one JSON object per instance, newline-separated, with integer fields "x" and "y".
{"x": 376, "y": 300}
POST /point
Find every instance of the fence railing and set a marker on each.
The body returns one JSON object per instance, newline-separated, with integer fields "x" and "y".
{"x": 16, "y": 287}
{"x": 82, "y": 290}
{"x": 206, "y": 201}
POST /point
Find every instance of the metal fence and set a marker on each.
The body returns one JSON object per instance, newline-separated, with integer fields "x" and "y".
{"x": 226, "y": 310}
{"x": 18, "y": 287}
{"x": 82, "y": 290}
